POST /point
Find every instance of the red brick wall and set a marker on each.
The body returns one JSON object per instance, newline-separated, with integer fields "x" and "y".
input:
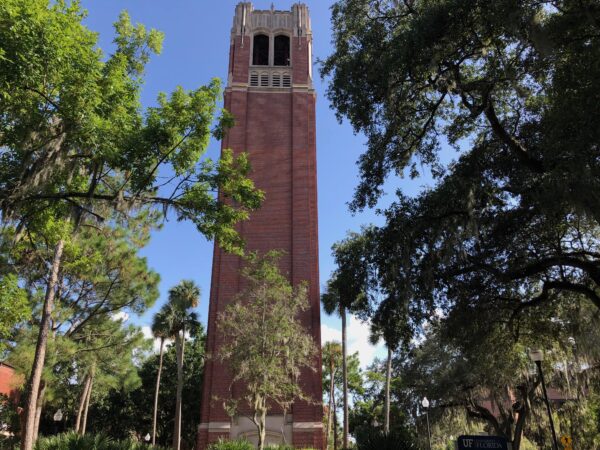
{"x": 277, "y": 129}
{"x": 9, "y": 382}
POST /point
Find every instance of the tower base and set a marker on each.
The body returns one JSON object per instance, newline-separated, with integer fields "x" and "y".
{"x": 301, "y": 435}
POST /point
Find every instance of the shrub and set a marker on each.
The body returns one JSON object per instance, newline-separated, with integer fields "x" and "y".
{"x": 377, "y": 440}
{"x": 245, "y": 445}
{"x": 284, "y": 447}
{"x": 73, "y": 441}
{"x": 240, "y": 444}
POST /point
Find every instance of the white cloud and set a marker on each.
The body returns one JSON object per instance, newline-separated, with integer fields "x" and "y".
{"x": 147, "y": 331}
{"x": 120, "y": 316}
{"x": 358, "y": 340}
{"x": 330, "y": 334}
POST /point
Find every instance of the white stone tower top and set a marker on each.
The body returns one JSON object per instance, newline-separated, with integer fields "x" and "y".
{"x": 248, "y": 20}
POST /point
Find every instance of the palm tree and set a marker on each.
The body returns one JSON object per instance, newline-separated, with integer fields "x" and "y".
{"x": 182, "y": 298}
{"x": 161, "y": 329}
{"x": 348, "y": 289}
{"x": 388, "y": 323}
{"x": 332, "y": 302}
{"x": 332, "y": 352}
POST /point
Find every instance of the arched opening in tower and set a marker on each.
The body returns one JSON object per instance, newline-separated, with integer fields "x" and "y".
{"x": 260, "y": 56}
{"x": 282, "y": 50}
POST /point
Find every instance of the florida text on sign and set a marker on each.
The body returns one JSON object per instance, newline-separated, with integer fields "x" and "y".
{"x": 482, "y": 442}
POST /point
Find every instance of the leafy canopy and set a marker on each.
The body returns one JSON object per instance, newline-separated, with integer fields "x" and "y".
{"x": 266, "y": 346}
{"x": 75, "y": 139}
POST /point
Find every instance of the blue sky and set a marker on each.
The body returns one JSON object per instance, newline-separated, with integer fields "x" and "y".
{"x": 195, "y": 50}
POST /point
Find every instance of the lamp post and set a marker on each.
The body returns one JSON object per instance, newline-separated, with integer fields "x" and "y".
{"x": 58, "y": 417}
{"x": 425, "y": 404}
{"x": 537, "y": 356}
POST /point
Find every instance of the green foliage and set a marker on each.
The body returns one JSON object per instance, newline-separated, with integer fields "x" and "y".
{"x": 502, "y": 85}
{"x": 124, "y": 411}
{"x": 14, "y": 307}
{"x": 371, "y": 439}
{"x": 73, "y": 441}
{"x": 78, "y": 143}
{"x": 231, "y": 445}
{"x": 349, "y": 286}
{"x": 285, "y": 447}
{"x": 266, "y": 346}
{"x": 332, "y": 350}
{"x": 245, "y": 445}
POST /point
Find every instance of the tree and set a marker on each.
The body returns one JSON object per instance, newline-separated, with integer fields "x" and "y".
{"x": 182, "y": 298}
{"x": 368, "y": 412}
{"x": 333, "y": 381}
{"x": 332, "y": 302}
{"x": 348, "y": 289}
{"x": 101, "y": 275}
{"x": 104, "y": 360}
{"x": 332, "y": 352}
{"x": 161, "y": 329}
{"x": 388, "y": 323}
{"x": 14, "y": 307}
{"x": 76, "y": 140}
{"x": 510, "y": 223}
{"x": 266, "y": 345}
{"x": 125, "y": 411}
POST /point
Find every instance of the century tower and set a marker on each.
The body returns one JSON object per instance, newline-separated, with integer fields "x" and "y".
{"x": 270, "y": 94}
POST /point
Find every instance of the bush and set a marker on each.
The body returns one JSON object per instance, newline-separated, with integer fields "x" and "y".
{"x": 279, "y": 447}
{"x": 284, "y": 447}
{"x": 245, "y": 445}
{"x": 376, "y": 440}
{"x": 73, "y": 441}
{"x": 240, "y": 444}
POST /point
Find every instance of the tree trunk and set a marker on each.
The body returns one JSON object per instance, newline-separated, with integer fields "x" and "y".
{"x": 262, "y": 429}
{"x": 177, "y": 434}
{"x": 335, "y": 426}
{"x": 40, "y": 350}
{"x": 82, "y": 400}
{"x": 87, "y": 404}
{"x": 523, "y": 413}
{"x": 157, "y": 390}
{"x": 388, "y": 382}
{"x": 38, "y": 410}
{"x": 331, "y": 395}
{"x": 344, "y": 378}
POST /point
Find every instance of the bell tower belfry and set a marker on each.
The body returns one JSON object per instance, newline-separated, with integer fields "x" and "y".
{"x": 270, "y": 94}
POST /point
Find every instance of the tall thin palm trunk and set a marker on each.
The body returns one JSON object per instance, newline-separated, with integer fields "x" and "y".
{"x": 335, "y": 426}
{"x": 157, "y": 390}
{"x": 40, "y": 350}
{"x": 331, "y": 398}
{"x": 388, "y": 382}
{"x": 344, "y": 377}
{"x": 177, "y": 434}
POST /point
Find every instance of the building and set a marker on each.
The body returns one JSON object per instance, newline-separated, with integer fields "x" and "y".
{"x": 271, "y": 96}
{"x": 9, "y": 382}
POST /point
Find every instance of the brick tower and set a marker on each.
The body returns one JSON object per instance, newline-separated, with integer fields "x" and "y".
{"x": 271, "y": 96}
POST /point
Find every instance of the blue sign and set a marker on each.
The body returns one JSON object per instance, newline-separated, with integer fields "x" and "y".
{"x": 482, "y": 442}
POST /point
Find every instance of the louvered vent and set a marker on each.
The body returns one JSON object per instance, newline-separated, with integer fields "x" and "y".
{"x": 253, "y": 78}
{"x": 287, "y": 80}
{"x": 264, "y": 79}
{"x": 276, "y": 82}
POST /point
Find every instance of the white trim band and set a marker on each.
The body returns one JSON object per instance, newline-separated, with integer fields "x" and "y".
{"x": 218, "y": 427}
{"x": 308, "y": 425}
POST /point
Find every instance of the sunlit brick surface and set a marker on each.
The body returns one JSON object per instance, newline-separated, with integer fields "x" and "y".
{"x": 276, "y": 127}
